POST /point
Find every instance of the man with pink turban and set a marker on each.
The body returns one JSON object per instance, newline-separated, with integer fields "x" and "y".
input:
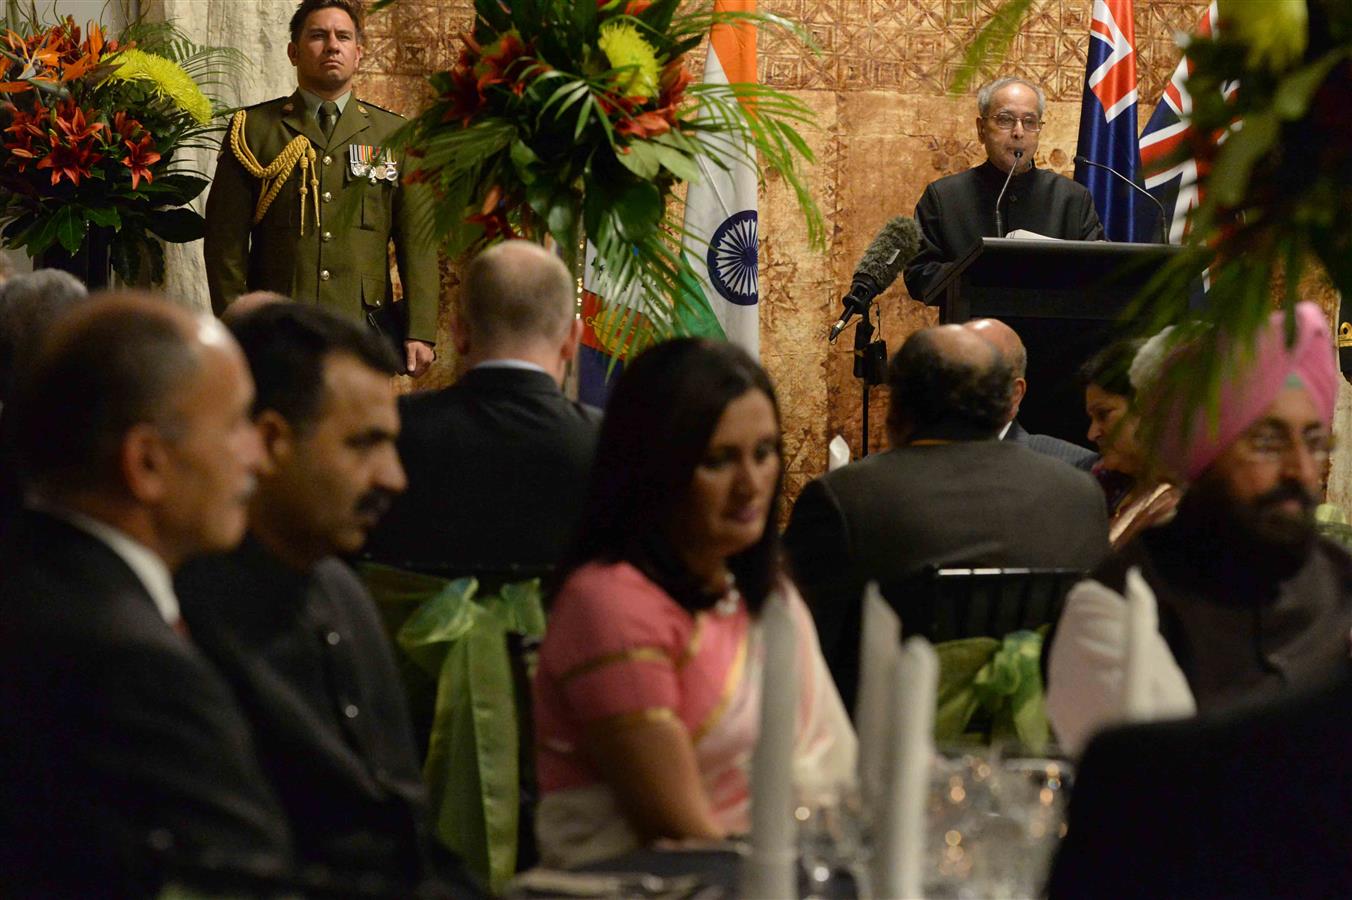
{"x": 1236, "y": 599}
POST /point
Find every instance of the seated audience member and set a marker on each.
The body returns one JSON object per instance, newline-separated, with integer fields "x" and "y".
{"x": 1007, "y": 342}
{"x": 1139, "y": 496}
{"x": 646, "y": 695}
{"x": 1252, "y": 804}
{"x": 29, "y": 305}
{"x": 244, "y": 304}
{"x": 497, "y": 463}
{"x": 291, "y": 626}
{"x": 122, "y": 751}
{"x": 947, "y": 493}
{"x": 1251, "y": 603}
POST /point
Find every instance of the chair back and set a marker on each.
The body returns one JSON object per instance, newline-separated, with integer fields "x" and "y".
{"x": 947, "y": 604}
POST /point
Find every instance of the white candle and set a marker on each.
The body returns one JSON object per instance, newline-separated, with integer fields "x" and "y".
{"x": 1142, "y": 621}
{"x": 900, "y": 849}
{"x": 771, "y": 868}
{"x": 875, "y": 708}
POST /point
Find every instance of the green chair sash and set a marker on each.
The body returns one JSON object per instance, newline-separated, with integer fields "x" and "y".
{"x": 991, "y": 691}
{"x": 459, "y": 641}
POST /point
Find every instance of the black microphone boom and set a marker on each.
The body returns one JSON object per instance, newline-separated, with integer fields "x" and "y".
{"x": 1164, "y": 239}
{"x": 882, "y": 262}
{"x": 999, "y": 218}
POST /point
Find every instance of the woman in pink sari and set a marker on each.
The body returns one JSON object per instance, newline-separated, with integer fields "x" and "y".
{"x": 647, "y": 694}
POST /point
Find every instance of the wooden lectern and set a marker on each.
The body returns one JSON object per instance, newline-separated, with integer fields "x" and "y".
{"x": 1066, "y": 299}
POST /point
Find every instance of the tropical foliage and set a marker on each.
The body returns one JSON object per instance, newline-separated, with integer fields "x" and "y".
{"x": 91, "y": 126}
{"x": 580, "y": 117}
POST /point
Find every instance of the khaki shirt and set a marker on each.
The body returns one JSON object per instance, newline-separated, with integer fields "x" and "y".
{"x": 342, "y": 261}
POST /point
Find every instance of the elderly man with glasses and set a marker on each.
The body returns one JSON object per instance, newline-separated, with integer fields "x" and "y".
{"x": 1251, "y": 603}
{"x": 958, "y": 210}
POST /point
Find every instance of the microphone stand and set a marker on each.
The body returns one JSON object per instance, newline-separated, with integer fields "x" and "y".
{"x": 870, "y": 366}
{"x": 1163, "y": 230}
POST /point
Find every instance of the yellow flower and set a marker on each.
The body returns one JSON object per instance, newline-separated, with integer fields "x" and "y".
{"x": 635, "y": 57}
{"x": 169, "y": 79}
{"x": 1275, "y": 30}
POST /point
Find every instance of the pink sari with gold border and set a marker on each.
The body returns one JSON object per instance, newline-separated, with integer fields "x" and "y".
{"x": 618, "y": 647}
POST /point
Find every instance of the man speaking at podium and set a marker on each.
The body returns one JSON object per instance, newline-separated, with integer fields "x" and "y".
{"x": 958, "y": 210}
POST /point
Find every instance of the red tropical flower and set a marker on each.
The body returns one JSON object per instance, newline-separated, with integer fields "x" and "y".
{"x": 644, "y": 125}
{"x": 73, "y": 144}
{"x": 498, "y": 59}
{"x": 463, "y": 100}
{"x": 125, "y": 127}
{"x": 140, "y": 157}
{"x": 25, "y": 127}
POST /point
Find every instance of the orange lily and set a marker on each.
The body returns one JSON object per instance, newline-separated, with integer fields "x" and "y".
{"x": 141, "y": 157}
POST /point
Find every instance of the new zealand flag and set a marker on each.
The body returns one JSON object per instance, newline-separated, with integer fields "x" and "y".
{"x": 1108, "y": 125}
{"x": 1169, "y": 175}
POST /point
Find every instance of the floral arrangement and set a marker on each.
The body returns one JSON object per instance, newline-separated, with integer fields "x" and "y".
{"x": 573, "y": 118}
{"x": 89, "y": 129}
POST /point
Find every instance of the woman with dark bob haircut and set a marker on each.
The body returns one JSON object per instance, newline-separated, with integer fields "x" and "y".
{"x": 647, "y": 693}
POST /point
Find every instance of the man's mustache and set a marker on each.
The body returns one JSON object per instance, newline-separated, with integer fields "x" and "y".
{"x": 1287, "y": 490}
{"x": 375, "y": 503}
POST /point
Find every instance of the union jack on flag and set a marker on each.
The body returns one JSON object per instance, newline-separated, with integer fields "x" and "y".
{"x": 1173, "y": 180}
{"x": 1108, "y": 124}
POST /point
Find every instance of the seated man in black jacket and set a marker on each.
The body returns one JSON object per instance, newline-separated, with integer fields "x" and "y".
{"x": 122, "y": 750}
{"x": 498, "y": 462}
{"x": 291, "y": 626}
{"x": 947, "y": 493}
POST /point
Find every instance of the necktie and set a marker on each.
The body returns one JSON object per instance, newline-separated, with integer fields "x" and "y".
{"x": 328, "y": 117}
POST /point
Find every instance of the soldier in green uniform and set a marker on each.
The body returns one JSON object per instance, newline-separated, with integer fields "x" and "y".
{"x": 307, "y": 198}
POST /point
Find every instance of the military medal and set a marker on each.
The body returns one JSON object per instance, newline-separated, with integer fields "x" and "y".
{"x": 366, "y": 162}
{"x": 360, "y": 157}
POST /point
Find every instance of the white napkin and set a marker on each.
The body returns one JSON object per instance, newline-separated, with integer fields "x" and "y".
{"x": 1142, "y": 624}
{"x": 837, "y": 453}
{"x": 899, "y": 852}
{"x": 770, "y": 869}
{"x": 1087, "y": 672}
{"x": 875, "y": 704}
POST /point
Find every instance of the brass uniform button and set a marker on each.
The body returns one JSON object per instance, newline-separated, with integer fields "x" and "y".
{"x": 326, "y": 196}
{"x": 324, "y": 275}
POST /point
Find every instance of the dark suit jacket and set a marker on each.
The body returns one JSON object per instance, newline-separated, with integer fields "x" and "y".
{"x": 497, "y": 473}
{"x": 958, "y": 210}
{"x": 1079, "y": 457}
{"x": 968, "y": 503}
{"x": 308, "y": 657}
{"x": 115, "y": 733}
{"x": 1252, "y": 805}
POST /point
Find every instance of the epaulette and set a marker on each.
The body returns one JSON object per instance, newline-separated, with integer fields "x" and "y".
{"x": 370, "y": 105}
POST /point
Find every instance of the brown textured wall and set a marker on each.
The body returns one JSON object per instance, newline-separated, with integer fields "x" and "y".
{"x": 887, "y": 128}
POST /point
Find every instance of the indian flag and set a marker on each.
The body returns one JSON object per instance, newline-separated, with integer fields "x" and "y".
{"x": 720, "y": 209}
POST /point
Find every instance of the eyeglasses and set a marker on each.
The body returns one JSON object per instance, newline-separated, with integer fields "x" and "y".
{"x": 1271, "y": 447}
{"x": 1006, "y": 122}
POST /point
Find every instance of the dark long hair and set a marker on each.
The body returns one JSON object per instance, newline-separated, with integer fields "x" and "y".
{"x": 659, "y": 420}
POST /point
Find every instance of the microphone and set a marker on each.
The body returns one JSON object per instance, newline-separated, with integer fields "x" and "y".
{"x": 882, "y": 262}
{"x": 999, "y": 217}
{"x": 1134, "y": 186}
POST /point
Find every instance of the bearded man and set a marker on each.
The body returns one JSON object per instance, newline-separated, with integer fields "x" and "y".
{"x": 1252, "y": 604}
